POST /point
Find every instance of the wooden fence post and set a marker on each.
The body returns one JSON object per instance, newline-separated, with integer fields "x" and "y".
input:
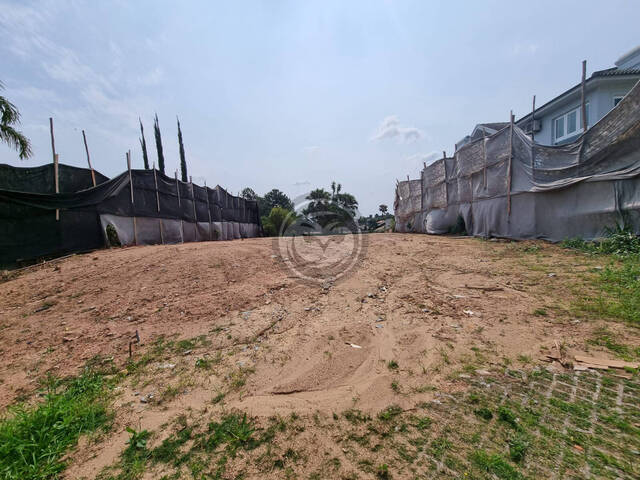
{"x": 206, "y": 191}
{"x": 583, "y": 104}
{"x": 86, "y": 147}
{"x": 179, "y": 206}
{"x": 509, "y": 164}
{"x": 155, "y": 180}
{"x": 193, "y": 199}
{"x": 135, "y": 227}
{"x": 484, "y": 159}
{"x": 56, "y": 181}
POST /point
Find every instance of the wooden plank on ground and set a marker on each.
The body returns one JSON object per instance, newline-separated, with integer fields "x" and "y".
{"x": 606, "y": 362}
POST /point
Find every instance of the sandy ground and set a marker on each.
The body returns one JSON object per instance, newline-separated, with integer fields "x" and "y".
{"x": 431, "y": 304}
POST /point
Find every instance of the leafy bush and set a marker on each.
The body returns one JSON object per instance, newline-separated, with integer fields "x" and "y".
{"x": 277, "y": 221}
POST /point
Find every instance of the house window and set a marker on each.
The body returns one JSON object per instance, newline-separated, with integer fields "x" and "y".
{"x": 569, "y": 124}
{"x": 616, "y": 99}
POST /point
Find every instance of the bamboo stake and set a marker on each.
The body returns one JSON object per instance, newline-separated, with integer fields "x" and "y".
{"x": 583, "y": 106}
{"x": 93, "y": 174}
{"x": 533, "y": 125}
{"x": 206, "y": 191}
{"x": 193, "y": 201}
{"x": 179, "y": 206}
{"x": 53, "y": 142}
{"x": 509, "y": 165}
{"x": 533, "y": 118}
{"x": 484, "y": 158}
{"x": 155, "y": 180}
{"x": 135, "y": 226}
{"x": 56, "y": 181}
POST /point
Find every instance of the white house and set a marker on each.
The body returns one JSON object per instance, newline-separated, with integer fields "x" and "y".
{"x": 559, "y": 120}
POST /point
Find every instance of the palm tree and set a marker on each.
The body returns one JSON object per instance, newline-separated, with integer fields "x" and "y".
{"x": 9, "y": 116}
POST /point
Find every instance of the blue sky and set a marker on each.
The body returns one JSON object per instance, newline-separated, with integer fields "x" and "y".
{"x": 292, "y": 95}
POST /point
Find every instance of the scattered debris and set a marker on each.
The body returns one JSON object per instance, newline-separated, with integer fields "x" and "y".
{"x": 485, "y": 289}
{"x": 353, "y": 345}
{"x": 468, "y": 312}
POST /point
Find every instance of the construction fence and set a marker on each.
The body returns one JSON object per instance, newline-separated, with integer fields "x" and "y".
{"x": 506, "y": 185}
{"x": 142, "y": 207}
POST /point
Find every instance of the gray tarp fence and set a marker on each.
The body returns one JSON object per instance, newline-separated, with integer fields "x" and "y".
{"x": 506, "y": 185}
{"x": 172, "y": 212}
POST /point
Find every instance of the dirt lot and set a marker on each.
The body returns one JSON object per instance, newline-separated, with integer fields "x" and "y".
{"x": 224, "y": 327}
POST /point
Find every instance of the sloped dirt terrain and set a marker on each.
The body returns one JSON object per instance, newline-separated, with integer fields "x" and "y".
{"x": 375, "y": 376}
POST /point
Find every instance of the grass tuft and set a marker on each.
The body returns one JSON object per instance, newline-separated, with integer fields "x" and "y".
{"x": 33, "y": 440}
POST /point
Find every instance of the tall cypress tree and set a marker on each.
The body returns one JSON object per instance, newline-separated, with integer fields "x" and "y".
{"x": 183, "y": 161}
{"x": 156, "y": 131}
{"x": 143, "y": 144}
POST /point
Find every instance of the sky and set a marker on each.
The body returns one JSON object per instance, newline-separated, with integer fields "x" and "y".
{"x": 292, "y": 94}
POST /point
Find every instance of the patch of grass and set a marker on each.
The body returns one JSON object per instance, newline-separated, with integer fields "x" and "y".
{"x": 168, "y": 451}
{"x": 495, "y": 464}
{"x": 133, "y": 461}
{"x": 506, "y": 415}
{"x": 603, "y": 337}
{"x": 620, "y": 287}
{"x": 518, "y": 446}
{"x": 383, "y": 471}
{"x": 484, "y": 413}
{"x": 392, "y": 365}
{"x": 234, "y": 431}
{"x": 356, "y": 416}
{"x": 395, "y": 387}
{"x": 540, "y": 312}
{"x": 389, "y": 413}
{"x": 34, "y": 439}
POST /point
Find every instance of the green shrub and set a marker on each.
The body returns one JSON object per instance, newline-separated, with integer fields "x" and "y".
{"x": 277, "y": 221}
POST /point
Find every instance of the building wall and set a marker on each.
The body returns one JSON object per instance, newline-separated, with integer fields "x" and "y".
{"x": 600, "y": 100}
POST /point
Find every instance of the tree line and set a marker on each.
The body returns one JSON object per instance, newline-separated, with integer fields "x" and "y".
{"x": 326, "y": 207}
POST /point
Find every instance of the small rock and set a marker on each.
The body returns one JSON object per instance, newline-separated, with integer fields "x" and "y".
{"x": 551, "y": 275}
{"x": 379, "y": 326}
{"x": 129, "y": 318}
{"x": 483, "y": 372}
{"x": 170, "y": 366}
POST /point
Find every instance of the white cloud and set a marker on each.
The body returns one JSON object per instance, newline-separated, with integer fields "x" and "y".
{"x": 391, "y": 128}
